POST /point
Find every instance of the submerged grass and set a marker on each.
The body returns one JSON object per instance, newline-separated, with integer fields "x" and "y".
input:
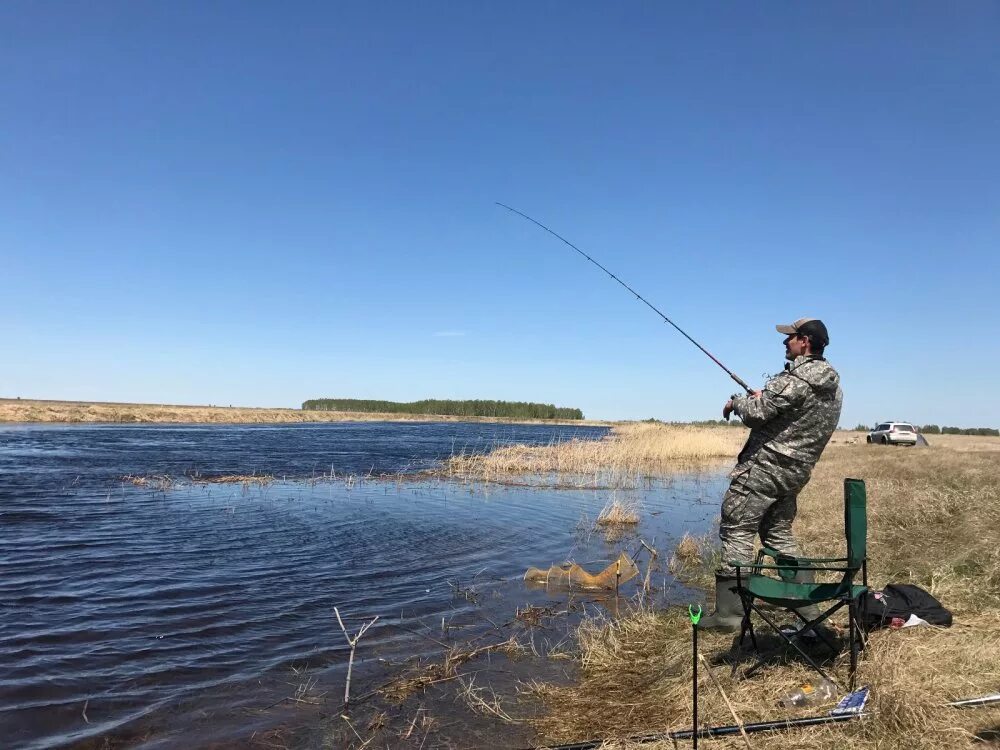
{"x": 164, "y": 482}
{"x": 619, "y": 512}
{"x": 932, "y": 522}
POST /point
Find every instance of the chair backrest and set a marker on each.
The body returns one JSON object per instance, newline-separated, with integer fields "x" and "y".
{"x": 855, "y": 521}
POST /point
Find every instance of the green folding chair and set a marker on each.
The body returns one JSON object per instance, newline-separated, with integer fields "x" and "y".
{"x": 780, "y": 585}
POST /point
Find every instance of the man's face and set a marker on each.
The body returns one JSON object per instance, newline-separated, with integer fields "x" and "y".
{"x": 795, "y": 346}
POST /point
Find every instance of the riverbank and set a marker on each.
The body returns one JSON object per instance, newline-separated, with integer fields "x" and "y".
{"x": 932, "y": 522}
{"x": 31, "y": 410}
{"x": 630, "y": 453}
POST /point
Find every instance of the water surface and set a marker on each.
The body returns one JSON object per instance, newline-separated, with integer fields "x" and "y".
{"x": 195, "y": 615}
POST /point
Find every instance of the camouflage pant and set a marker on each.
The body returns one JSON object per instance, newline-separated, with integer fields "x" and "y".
{"x": 761, "y": 499}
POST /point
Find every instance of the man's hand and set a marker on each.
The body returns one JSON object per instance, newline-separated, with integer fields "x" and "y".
{"x": 727, "y": 410}
{"x": 756, "y": 394}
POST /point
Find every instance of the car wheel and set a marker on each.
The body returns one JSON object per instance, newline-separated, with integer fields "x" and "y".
{"x": 868, "y": 438}
{"x": 885, "y": 440}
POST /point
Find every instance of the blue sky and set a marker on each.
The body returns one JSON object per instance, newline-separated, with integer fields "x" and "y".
{"x": 260, "y": 203}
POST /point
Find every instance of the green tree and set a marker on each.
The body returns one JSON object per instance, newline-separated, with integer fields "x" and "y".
{"x": 470, "y": 408}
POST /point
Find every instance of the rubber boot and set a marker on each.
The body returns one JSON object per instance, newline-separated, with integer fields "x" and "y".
{"x": 810, "y": 612}
{"x": 728, "y": 607}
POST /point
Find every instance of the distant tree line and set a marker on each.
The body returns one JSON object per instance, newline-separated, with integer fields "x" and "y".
{"x": 474, "y": 408}
{"x": 933, "y": 429}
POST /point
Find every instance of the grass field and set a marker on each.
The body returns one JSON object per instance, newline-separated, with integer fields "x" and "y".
{"x": 933, "y": 521}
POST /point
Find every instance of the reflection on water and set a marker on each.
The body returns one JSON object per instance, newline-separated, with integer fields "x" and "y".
{"x": 204, "y": 613}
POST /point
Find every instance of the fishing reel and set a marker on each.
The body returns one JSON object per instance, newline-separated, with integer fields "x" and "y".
{"x": 732, "y": 398}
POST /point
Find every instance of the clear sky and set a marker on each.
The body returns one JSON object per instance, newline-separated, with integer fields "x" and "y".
{"x": 260, "y": 203}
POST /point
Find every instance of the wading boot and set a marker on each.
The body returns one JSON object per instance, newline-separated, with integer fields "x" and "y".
{"x": 810, "y": 612}
{"x": 728, "y": 607}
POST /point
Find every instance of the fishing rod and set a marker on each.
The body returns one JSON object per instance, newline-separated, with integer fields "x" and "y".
{"x": 763, "y": 726}
{"x": 638, "y": 296}
{"x": 709, "y": 732}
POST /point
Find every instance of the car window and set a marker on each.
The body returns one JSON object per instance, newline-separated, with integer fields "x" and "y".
{"x": 881, "y": 427}
{"x": 904, "y": 428}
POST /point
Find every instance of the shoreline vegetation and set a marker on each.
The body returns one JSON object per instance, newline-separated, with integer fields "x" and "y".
{"x": 13, "y": 410}
{"x": 623, "y": 458}
{"x": 932, "y": 522}
{"x": 447, "y": 407}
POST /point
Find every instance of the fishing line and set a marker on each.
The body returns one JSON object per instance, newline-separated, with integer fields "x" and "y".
{"x": 638, "y": 296}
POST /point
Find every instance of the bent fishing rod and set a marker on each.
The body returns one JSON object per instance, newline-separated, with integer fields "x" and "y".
{"x": 638, "y": 296}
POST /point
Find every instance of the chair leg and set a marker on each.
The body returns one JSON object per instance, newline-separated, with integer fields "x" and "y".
{"x": 855, "y": 636}
{"x": 819, "y": 632}
{"x": 811, "y": 625}
{"x": 792, "y": 642}
{"x": 746, "y": 626}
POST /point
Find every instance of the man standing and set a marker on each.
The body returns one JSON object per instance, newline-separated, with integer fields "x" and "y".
{"x": 791, "y": 421}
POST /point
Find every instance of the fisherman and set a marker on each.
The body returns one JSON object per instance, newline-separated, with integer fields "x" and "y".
{"x": 791, "y": 421}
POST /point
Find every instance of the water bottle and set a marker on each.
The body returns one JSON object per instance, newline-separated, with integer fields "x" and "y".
{"x": 810, "y": 694}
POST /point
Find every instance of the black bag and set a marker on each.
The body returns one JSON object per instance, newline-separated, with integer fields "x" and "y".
{"x": 900, "y": 600}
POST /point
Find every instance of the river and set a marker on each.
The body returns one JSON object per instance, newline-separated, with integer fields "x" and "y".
{"x": 187, "y": 614}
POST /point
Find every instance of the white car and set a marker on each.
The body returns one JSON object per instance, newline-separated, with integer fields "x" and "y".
{"x": 893, "y": 433}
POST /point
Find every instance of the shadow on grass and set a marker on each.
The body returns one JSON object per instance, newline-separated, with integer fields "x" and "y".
{"x": 773, "y": 650}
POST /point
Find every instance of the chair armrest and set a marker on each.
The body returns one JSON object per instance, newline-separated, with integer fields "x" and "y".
{"x": 774, "y": 554}
{"x": 756, "y": 566}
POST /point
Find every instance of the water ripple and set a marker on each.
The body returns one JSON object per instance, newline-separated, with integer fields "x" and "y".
{"x": 127, "y": 600}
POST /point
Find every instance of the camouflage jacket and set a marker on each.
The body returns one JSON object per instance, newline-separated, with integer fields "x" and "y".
{"x": 795, "y": 414}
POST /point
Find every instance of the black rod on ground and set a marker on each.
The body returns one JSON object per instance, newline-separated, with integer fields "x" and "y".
{"x": 695, "y": 616}
{"x": 764, "y": 726}
{"x": 725, "y": 731}
{"x": 984, "y": 700}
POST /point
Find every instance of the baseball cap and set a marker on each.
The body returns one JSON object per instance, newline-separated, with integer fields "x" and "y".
{"x": 802, "y": 326}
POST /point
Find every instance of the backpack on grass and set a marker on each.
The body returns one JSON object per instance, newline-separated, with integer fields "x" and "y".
{"x": 897, "y": 602}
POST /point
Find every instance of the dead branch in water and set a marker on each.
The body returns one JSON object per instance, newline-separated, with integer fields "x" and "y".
{"x": 474, "y": 699}
{"x": 403, "y": 687}
{"x": 353, "y": 643}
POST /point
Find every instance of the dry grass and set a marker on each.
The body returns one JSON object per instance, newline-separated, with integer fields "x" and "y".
{"x": 629, "y": 452}
{"x": 617, "y": 512}
{"x": 421, "y": 678}
{"x": 163, "y": 482}
{"x": 618, "y": 517}
{"x": 637, "y": 679}
{"x": 30, "y": 410}
{"x": 694, "y": 559}
{"x": 483, "y": 700}
{"x": 932, "y": 521}
{"x": 160, "y": 482}
{"x": 260, "y": 480}
{"x": 961, "y": 443}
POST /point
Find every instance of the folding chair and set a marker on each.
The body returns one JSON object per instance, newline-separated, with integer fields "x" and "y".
{"x": 785, "y": 588}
